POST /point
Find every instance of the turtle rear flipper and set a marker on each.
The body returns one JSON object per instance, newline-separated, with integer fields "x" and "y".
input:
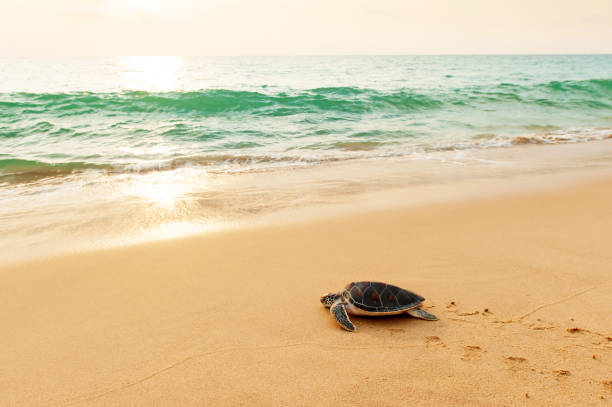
{"x": 338, "y": 310}
{"x": 421, "y": 314}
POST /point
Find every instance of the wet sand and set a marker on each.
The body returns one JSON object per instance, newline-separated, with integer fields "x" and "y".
{"x": 521, "y": 285}
{"x": 96, "y": 210}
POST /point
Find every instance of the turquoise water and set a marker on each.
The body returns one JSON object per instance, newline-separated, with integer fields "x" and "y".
{"x": 117, "y": 115}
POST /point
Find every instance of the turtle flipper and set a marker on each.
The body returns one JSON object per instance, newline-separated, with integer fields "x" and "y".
{"x": 338, "y": 310}
{"x": 421, "y": 314}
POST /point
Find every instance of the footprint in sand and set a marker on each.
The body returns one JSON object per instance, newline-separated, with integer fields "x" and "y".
{"x": 433, "y": 341}
{"x": 540, "y": 325}
{"x": 575, "y": 330}
{"x": 465, "y": 314}
{"x": 452, "y": 307}
{"x": 516, "y": 362}
{"x": 516, "y": 359}
{"x": 471, "y": 352}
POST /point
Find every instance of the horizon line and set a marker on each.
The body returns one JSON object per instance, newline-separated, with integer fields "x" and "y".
{"x": 306, "y": 55}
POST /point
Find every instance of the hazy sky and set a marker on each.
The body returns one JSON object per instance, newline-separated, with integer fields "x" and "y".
{"x": 297, "y": 27}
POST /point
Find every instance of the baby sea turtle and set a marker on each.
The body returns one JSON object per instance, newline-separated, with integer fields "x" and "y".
{"x": 373, "y": 299}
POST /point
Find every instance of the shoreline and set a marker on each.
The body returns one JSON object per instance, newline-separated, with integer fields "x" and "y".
{"x": 520, "y": 284}
{"x": 169, "y": 205}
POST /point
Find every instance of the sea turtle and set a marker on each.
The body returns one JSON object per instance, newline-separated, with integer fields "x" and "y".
{"x": 373, "y": 299}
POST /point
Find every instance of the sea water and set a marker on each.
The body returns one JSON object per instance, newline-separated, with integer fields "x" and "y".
{"x": 81, "y": 134}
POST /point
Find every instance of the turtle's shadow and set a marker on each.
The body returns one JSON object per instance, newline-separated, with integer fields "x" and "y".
{"x": 394, "y": 317}
{"x": 384, "y": 317}
{"x": 388, "y": 319}
{"x": 393, "y": 323}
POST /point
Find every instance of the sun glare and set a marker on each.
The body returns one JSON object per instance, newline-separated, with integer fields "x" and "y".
{"x": 151, "y": 73}
{"x": 163, "y": 190}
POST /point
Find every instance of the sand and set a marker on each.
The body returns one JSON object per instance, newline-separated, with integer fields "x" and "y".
{"x": 522, "y": 285}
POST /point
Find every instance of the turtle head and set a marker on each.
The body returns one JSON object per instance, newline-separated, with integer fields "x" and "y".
{"x": 328, "y": 299}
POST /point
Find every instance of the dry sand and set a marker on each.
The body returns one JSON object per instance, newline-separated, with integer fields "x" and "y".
{"x": 522, "y": 286}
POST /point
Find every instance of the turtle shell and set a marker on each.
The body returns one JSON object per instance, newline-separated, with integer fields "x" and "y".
{"x": 380, "y": 297}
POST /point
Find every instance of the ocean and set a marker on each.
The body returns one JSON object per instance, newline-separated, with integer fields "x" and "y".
{"x": 79, "y": 135}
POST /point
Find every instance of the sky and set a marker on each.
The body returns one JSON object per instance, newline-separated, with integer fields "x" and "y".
{"x": 303, "y": 27}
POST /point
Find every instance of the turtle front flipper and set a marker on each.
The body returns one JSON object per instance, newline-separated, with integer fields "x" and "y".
{"x": 421, "y": 314}
{"x": 338, "y": 310}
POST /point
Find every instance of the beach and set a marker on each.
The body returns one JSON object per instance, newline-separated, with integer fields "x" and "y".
{"x": 192, "y": 194}
{"x": 520, "y": 282}
{"x": 169, "y": 225}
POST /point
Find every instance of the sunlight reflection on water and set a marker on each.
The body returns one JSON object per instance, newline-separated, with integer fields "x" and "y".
{"x": 151, "y": 73}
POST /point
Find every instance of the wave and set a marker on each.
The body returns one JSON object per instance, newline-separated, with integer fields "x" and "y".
{"x": 566, "y": 95}
{"x": 357, "y": 145}
{"x": 219, "y": 101}
{"x": 56, "y": 134}
{"x": 594, "y": 87}
{"x": 558, "y": 138}
{"x": 551, "y": 137}
{"x": 591, "y": 93}
{"x": 15, "y": 170}
{"x": 13, "y": 165}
